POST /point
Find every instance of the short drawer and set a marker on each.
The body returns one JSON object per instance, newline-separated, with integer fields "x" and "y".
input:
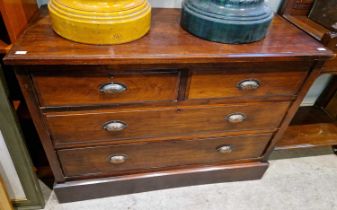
{"x": 70, "y": 128}
{"x": 96, "y": 88}
{"x": 146, "y": 156}
{"x": 221, "y": 84}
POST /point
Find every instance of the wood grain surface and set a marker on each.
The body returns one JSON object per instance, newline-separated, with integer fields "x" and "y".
{"x": 141, "y": 182}
{"x": 149, "y": 156}
{"x": 200, "y": 93}
{"x": 16, "y": 15}
{"x": 223, "y": 84}
{"x": 167, "y": 42}
{"x": 62, "y": 88}
{"x": 311, "y": 127}
{"x": 71, "y": 128}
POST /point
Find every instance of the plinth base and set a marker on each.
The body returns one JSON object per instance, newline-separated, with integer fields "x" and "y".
{"x": 226, "y": 26}
{"x": 121, "y": 185}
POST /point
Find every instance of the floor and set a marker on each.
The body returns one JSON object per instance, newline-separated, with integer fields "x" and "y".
{"x": 294, "y": 181}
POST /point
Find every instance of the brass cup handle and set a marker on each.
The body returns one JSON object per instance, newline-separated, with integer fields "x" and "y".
{"x": 236, "y": 117}
{"x": 225, "y": 149}
{"x": 248, "y": 84}
{"x": 115, "y": 125}
{"x": 118, "y": 159}
{"x": 112, "y": 88}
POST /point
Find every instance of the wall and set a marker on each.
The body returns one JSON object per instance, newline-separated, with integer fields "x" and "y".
{"x": 274, "y": 4}
{"x": 9, "y": 174}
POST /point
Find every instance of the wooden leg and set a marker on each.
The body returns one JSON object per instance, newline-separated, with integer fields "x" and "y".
{"x": 334, "y": 149}
{"x": 5, "y": 203}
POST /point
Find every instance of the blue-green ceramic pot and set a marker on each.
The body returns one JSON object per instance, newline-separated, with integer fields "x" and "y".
{"x": 227, "y": 21}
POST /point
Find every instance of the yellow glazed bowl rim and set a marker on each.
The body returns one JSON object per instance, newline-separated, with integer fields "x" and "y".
{"x": 98, "y": 17}
{"x": 101, "y": 6}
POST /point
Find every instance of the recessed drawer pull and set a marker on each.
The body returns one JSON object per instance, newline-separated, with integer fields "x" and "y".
{"x": 115, "y": 125}
{"x": 112, "y": 88}
{"x": 225, "y": 149}
{"x": 118, "y": 159}
{"x": 236, "y": 117}
{"x": 249, "y": 84}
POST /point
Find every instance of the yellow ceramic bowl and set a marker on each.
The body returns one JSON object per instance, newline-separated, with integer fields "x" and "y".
{"x": 100, "y": 21}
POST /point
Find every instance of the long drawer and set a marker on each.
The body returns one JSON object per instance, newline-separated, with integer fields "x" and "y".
{"x": 223, "y": 84}
{"x": 69, "y": 128}
{"x": 58, "y": 88}
{"x": 145, "y": 156}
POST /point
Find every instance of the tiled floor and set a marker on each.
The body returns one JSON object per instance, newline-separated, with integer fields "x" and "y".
{"x": 308, "y": 183}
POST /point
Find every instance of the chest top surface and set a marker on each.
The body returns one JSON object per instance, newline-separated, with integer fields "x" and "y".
{"x": 166, "y": 43}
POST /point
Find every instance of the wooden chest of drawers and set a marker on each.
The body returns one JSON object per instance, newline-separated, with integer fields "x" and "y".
{"x": 165, "y": 111}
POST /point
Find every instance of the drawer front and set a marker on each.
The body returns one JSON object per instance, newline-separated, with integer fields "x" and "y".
{"x": 79, "y": 127}
{"x": 85, "y": 88}
{"x": 220, "y": 84}
{"x": 144, "y": 156}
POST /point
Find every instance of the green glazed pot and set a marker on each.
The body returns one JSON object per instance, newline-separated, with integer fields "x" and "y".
{"x": 227, "y": 21}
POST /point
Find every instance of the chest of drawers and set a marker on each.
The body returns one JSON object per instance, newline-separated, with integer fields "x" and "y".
{"x": 165, "y": 111}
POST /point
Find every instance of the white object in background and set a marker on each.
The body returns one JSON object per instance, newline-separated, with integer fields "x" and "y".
{"x": 9, "y": 174}
{"x": 274, "y": 4}
{"x": 316, "y": 90}
{"x": 165, "y": 3}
